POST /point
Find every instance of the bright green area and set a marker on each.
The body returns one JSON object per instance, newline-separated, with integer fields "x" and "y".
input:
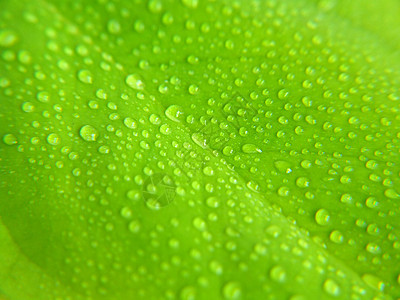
{"x": 199, "y": 150}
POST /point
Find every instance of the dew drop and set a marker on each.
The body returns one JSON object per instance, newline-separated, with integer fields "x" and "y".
{"x": 113, "y": 26}
{"x": 331, "y": 287}
{"x": 208, "y": 171}
{"x": 336, "y": 237}
{"x": 134, "y": 81}
{"x": 85, "y": 76}
{"x": 104, "y": 149}
{"x": 165, "y": 129}
{"x": 190, "y": 3}
{"x": 373, "y": 248}
{"x": 28, "y": 107}
{"x": 130, "y": 123}
{"x": 10, "y": 139}
{"x": 232, "y": 290}
{"x": 374, "y": 282}
{"x": 193, "y": 89}
{"x": 134, "y": 226}
{"x": 43, "y": 96}
{"x": 199, "y": 139}
{"x": 283, "y": 166}
{"x": 7, "y": 38}
{"x": 53, "y": 139}
{"x": 213, "y": 202}
{"x": 251, "y": 148}
{"x": 88, "y": 133}
{"x": 174, "y": 113}
{"x": 278, "y": 274}
{"x": 302, "y": 182}
{"x": 322, "y": 217}
{"x": 228, "y": 150}
{"x": 283, "y": 191}
{"x": 188, "y": 293}
{"x": 199, "y": 224}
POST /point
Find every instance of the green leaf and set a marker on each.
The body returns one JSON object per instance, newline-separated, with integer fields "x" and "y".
{"x": 199, "y": 150}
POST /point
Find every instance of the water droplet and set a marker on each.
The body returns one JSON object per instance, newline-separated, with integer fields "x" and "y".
{"x": 371, "y": 164}
{"x": 53, "y": 139}
{"x": 85, "y": 76}
{"x": 7, "y": 38}
{"x": 199, "y": 139}
{"x": 190, "y": 3}
{"x": 216, "y": 267}
{"x": 373, "y": 248}
{"x": 283, "y": 166}
{"x": 10, "y": 139}
{"x": 130, "y": 123}
{"x": 208, "y": 171}
{"x": 232, "y": 290}
{"x": 392, "y": 194}
{"x": 43, "y": 96}
{"x": 331, "y": 287}
{"x": 346, "y": 198}
{"x": 374, "y": 282}
{"x": 213, "y": 202}
{"x": 302, "y": 182}
{"x": 283, "y": 191}
{"x": 193, "y": 89}
{"x": 228, "y": 150}
{"x": 278, "y": 274}
{"x": 28, "y": 107}
{"x": 174, "y": 113}
{"x": 88, "y": 133}
{"x": 188, "y": 293}
{"x": 371, "y": 202}
{"x": 104, "y": 149}
{"x": 199, "y": 224}
{"x": 134, "y": 81}
{"x": 113, "y": 26}
{"x": 165, "y": 129}
{"x": 336, "y": 237}
{"x": 251, "y": 148}
{"x": 134, "y": 226}
{"x": 322, "y": 217}
{"x": 126, "y": 212}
